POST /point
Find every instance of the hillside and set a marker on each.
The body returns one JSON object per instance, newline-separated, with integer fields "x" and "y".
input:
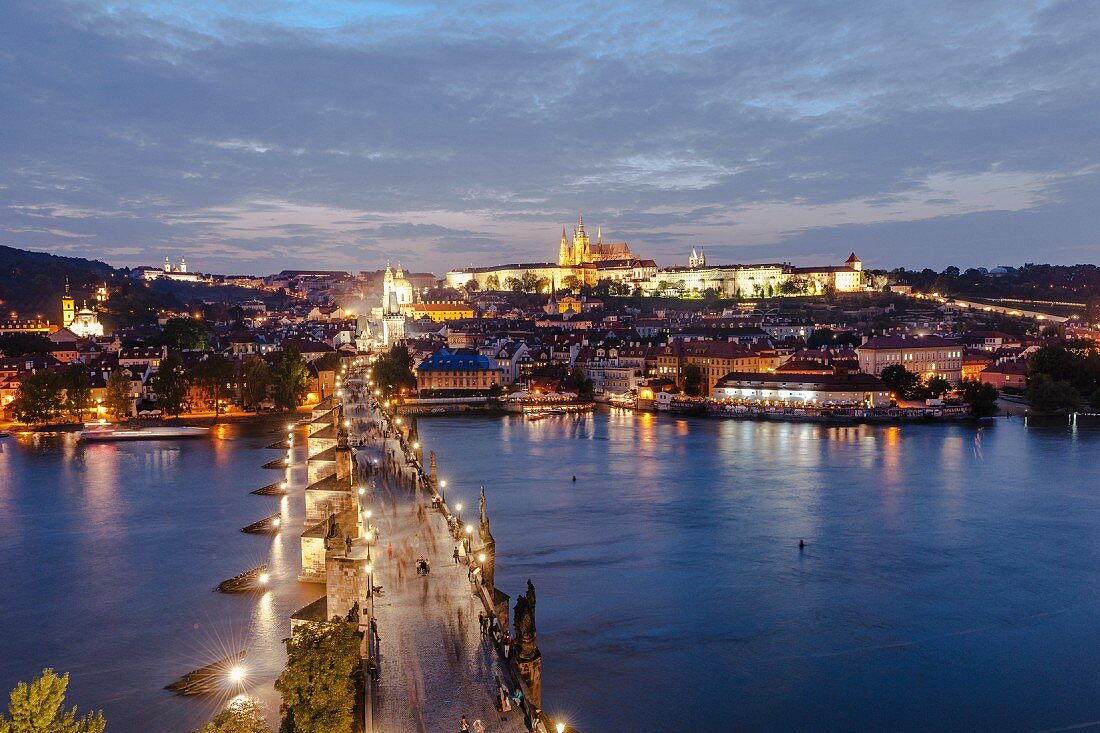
{"x": 32, "y": 282}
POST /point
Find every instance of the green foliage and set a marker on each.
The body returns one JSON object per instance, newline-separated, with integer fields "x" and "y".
{"x": 289, "y": 379}
{"x": 394, "y": 370}
{"x": 242, "y": 715}
{"x": 571, "y": 282}
{"x": 39, "y": 399}
{"x": 981, "y": 396}
{"x": 581, "y": 383}
{"x": 184, "y": 333}
{"x": 317, "y": 690}
{"x": 1076, "y": 362}
{"x": 936, "y": 386}
{"x": 255, "y": 381}
{"x": 38, "y": 708}
{"x": 213, "y": 375}
{"x": 693, "y": 381}
{"x": 471, "y": 285}
{"x": 902, "y": 382}
{"x": 492, "y": 282}
{"x": 24, "y": 344}
{"x": 169, "y": 384}
{"x": 1049, "y": 396}
{"x": 529, "y": 282}
{"x": 117, "y": 393}
{"x": 78, "y": 390}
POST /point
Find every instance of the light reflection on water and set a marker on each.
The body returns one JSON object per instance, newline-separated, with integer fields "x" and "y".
{"x": 941, "y": 588}
{"x": 110, "y": 554}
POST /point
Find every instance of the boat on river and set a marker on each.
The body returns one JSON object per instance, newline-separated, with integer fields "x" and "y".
{"x": 101, "y": 430}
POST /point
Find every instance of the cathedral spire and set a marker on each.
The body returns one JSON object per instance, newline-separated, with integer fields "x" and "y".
{"x": 599, "y": 235}
{"x": 564, "y": 255}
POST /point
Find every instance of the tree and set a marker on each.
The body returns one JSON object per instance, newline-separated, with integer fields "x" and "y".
{"x": 169, "y": 384}
{"x": 117, "y": 393}
{"x": 571, "y": 282}
{"x": 289, "y": 379}
{"x": 693, "y": 380}
{"x": 936, "y": 386}
{"x": 821, "y": 337}
{"x": 242, "y": 715}
{"x": 25, "y": 344}
{"x": 580, "y": 382}
{"x": 318, "y": 695}
{"x": 213, "y": 376}
{"x": 1094, "y": 400}
{"x": 529, "y": 281}
{"x": 492, "y": 282}
{"x": 255, "y": 381}
{"x": 39, "y": 397}
{"x": 471, "y": 285}
{"x": 981, "y": 396}
{"x": 184, "y": 333}
{"x": 901, "y": 381}
{"x": 394, "y": 370}
{"x": 78, "y": 391}
{"x": 38, "y": 708}
{"x": 1049, "y": 396}
{"x": 1092, "y": 309}
{"x": 513, "y": 283}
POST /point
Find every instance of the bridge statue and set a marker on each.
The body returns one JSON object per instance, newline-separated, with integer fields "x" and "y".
{"x": 527, "y": 647}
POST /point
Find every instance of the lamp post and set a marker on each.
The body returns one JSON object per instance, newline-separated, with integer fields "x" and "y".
{"x": 443, "y": 490}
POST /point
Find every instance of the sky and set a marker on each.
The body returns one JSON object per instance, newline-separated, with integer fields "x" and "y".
{"x": 256, "y": 135}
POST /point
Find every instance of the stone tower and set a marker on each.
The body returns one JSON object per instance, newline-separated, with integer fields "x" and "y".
{"x": 68, "y": 307}
{"x": 565, "y": 255}
{"x": 580, "y": 242}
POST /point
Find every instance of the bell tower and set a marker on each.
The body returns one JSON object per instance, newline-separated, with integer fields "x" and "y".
{"x": 68, "y": 307}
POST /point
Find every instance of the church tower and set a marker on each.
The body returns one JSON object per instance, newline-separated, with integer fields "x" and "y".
{"x": 68, "y": 307}
{"x": 565, "y": 257}
{"x": 580, "y": 242}
{"x": 693, "y": 261}
{"x": 702, "y": 261}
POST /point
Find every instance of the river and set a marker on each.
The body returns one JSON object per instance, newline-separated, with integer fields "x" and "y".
{"x": 949, "y": 581}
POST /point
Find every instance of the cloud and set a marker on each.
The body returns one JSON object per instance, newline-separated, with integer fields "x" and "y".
{"x": 283, "y": 134}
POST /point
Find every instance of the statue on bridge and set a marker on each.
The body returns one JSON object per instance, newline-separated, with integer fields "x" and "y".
{"x": 527, "y": 647}
{"x": 483, "y": 520}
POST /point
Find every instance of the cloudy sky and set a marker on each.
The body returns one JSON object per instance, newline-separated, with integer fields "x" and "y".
{"x": 253, "y": 135}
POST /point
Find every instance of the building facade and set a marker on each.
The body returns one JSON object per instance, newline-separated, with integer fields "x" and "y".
{"x": 927, "y": 356}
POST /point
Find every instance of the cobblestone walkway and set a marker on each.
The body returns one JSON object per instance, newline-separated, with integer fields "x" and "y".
{"x": 433, "y": 665}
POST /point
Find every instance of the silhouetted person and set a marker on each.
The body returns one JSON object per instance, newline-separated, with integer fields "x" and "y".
{"x": 802, "y": 544}
{"x": 574, "y": 479}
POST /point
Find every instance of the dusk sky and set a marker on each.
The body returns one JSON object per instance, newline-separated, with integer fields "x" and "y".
{"x": 256, "y": 135}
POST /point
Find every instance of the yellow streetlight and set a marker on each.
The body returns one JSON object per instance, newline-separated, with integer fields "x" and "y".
{"x": 458, "y": 507}
{"x": 469, "y": 529}
{"x": 481, "y": 557}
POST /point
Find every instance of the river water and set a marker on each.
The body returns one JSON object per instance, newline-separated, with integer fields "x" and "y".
{"x": 950, "y": 579}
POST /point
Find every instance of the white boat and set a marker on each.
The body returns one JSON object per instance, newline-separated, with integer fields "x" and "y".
{"x": 102, "y": 430}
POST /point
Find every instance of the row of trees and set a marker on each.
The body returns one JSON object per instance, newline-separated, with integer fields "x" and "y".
{"x": 393, "y": 371}
{"x": 1064, "y": 377}
{"x": 49, "y": 394}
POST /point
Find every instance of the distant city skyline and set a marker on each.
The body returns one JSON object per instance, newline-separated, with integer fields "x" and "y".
{"x": 340, "y": 134}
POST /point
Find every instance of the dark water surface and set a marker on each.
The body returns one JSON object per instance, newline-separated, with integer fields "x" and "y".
{"x": 947, "y": 585}
{"x": 109, "y": 552}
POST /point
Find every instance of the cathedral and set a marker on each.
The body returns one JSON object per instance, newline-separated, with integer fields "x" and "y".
{"x": 582, "y": 252}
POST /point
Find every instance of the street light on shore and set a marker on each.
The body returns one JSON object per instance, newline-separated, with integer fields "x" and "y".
{"x": 236, "y": 675}
{"x": 443, "y": 490}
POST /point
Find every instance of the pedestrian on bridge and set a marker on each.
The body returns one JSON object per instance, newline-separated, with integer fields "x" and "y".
{"x": 456, "y": 554}
{"x": 463, "y": 726}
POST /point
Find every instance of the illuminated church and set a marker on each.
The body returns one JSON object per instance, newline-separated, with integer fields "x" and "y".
{"x": 582, "y": 252}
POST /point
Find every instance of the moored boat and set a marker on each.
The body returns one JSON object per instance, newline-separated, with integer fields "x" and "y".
{"x": 102, "y": 430}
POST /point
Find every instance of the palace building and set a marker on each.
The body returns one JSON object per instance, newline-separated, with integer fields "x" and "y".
{"x": 590, "y": 262}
